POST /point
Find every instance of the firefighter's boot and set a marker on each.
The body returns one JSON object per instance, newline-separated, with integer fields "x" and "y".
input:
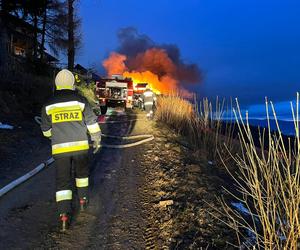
{"x": 64, "y": 221}
{"x": 83, "y": 203}
{"x": 151, "y": 115}
{"x": 148, "y": 116}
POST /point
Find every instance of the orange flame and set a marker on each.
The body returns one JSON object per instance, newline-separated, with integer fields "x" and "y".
{"x": 165, "y": 85}
{"x": 115, "y": 64}
{"x": 144, "y": 64}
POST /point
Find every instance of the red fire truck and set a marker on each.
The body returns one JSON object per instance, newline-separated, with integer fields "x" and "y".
{"x": 116, "y": 91}
{"x": 140, "y": 88}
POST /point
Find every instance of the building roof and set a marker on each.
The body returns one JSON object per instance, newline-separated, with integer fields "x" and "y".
{"x": 95, "y": 77}
{"x": 84, "y": 71}
{"x": 81, "y": 69}
{"x": 50, "y": 58}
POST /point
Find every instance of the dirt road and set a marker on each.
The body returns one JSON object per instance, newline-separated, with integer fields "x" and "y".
{"x": 146, "y": 197}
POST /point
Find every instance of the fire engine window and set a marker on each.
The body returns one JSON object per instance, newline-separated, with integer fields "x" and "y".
{"x": 102, "y": 92}
{"x": 117, "y": 93}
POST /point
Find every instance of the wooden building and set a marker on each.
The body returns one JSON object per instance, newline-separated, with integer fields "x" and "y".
{"x": 17, "y": 41}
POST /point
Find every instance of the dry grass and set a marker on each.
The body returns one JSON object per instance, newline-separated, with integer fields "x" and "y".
{"x": 175, "y": 112}
{"x": 200, "y": 122}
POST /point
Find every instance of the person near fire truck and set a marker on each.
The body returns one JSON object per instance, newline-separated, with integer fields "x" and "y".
{"x": 149, "y": 100}
{"x": 67, "y": 118}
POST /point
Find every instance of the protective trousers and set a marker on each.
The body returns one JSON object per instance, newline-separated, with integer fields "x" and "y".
{"x": 64, "y": 181}
{"x": 149, "y": 109}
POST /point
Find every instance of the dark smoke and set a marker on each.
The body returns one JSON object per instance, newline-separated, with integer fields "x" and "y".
{"x": 135, "y": 45}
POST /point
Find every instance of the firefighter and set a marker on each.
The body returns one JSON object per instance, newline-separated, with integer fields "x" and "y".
{"x": 140, "y": 102}
{"x": 67, "y": 118}
{"x": 149, "y": 100}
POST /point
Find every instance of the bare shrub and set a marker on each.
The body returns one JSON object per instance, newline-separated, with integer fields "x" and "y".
{"x": 88, "y": 91}
{"x": 214, "y": 130}
{"x": 269, "y": 183}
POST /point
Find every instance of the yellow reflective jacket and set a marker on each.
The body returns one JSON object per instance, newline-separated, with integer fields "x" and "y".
{"x": 67, "y": 118}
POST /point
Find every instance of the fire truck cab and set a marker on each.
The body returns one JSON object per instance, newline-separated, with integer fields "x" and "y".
{"x": 116, "y": 91}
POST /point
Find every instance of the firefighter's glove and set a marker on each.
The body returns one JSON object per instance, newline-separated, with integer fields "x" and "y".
{"x": 96, "y": 144}
{"x": 96, "y": 139}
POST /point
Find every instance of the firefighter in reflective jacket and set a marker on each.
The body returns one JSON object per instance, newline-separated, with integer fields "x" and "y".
{"x": 149, "y": 100}
{"x": 67, "y": 118}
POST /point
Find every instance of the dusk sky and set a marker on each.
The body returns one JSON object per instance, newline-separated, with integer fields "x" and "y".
{"x": 246, "y": 48}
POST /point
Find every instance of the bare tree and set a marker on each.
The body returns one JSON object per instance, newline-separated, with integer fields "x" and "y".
{"x": 56, "y": 27}
{"x": 71, "y": 45}
{"x": 74, "y": 35}
{"x": 55, "y": 23}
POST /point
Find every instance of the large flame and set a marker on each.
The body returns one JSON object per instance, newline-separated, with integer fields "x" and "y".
{"x": 153, "y": 67}
{"x": 164, "y": 85}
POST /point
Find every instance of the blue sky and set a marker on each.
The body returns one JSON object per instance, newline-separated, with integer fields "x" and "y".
{"x": 246, "y": 48}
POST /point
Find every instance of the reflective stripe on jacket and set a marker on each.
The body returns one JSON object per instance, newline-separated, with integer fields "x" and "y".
{"x": 67, "y": 118}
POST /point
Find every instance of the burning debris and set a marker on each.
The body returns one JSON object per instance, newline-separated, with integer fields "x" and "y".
{"x": 161, "y": 66}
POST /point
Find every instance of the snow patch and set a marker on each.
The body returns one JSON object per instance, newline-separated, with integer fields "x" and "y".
{"x": 6, "y": 126}
{"x": 240, "y": 207}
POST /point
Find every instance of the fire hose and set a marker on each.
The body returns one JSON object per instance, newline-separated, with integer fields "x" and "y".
{"x": 25, "y": 177}
{"x": 132, "y": 120}
{"x": 144, "y": 138}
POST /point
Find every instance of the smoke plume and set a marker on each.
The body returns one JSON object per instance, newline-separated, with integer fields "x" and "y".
{"x": 143, "y": 60}
{"x": 115, "y": 64}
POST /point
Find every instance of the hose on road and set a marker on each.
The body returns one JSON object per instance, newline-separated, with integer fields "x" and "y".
{"x": 145, "y": 138}
{"x": 25, "y": 177}
{"x": 132, "y": 120}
